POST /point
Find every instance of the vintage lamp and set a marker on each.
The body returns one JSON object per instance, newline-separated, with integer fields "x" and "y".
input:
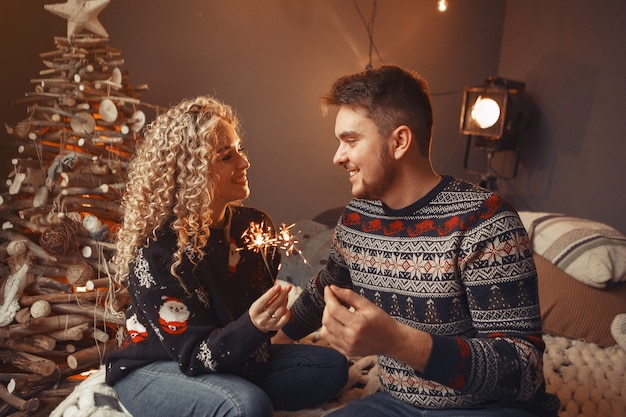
{"x": 493, "y": 117}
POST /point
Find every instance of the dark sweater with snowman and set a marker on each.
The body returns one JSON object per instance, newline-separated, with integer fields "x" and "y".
{"x": 205, "y": 328}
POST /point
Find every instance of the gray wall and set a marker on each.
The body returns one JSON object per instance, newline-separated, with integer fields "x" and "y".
{"x": 272, "y": 60}
{"x": 572, "y": 56}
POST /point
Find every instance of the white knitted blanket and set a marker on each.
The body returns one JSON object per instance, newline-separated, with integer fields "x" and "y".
{"x": 589, "y": 380}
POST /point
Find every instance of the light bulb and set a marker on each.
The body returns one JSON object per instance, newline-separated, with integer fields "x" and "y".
{"x": 485, "y": 112}
{"x": 442, "y": 5}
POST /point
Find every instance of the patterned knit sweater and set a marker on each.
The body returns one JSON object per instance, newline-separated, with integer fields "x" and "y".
{"x": 206, "y": 328}
{"x": 456, "y": 264}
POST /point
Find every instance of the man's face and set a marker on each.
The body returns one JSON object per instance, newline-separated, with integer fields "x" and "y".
{"x": 364, "y": 153}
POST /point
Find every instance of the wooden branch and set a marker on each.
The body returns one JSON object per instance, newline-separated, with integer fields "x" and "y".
{"x": 45, "y": 324}
{"x": 28, "y": 300}
{"x": 23, "y": 315}
{"x": 25, "y": 345}
{"x": 92, "y": 284}
{"x": 82, "y": 179}
{"x": 90, "y": 356}
{"x": 54, "y": 284}
{"x": 40, "y": 308}
{"x": 75, "y": 333}
{"x": 17, "y": 402}
{"x": 28, "y": 362}
{"x": 91, "y": 310}
{"x": 34, "y": 248}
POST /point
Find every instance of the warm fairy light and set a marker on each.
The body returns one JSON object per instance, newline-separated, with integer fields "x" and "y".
{"x": 442, "y": 5}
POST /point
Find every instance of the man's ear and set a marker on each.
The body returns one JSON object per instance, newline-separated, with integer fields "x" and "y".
{"x": 402, "y": 138}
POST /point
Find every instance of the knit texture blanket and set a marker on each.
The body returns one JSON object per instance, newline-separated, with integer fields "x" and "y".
{"x": 589, "y": 380}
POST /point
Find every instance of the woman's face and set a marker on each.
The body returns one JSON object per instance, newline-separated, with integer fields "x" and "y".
{"x": 230, "y": 165}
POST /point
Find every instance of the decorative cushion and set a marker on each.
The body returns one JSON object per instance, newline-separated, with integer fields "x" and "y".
{"x": 313, "y": 242}
{"x": 572, "y": 309}
{"x": 329, "y": 217}
{"x": 592, "y": 252}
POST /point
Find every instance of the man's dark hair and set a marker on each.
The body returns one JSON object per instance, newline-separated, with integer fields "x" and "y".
{"x": 391, "y": 96}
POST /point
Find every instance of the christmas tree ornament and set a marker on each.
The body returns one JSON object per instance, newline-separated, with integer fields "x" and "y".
{"x": 80, "y": 14}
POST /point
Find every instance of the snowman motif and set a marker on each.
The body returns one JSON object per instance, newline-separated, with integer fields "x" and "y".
{"x": 136, "y": 330}
{"x": 233, "y": 256}
{"x": 173, "y": 316}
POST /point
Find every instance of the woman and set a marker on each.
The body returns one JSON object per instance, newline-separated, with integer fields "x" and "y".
{"x": 203, "y": 302}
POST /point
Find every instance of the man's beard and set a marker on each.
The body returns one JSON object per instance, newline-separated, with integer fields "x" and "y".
{"x": 376, "y": 190}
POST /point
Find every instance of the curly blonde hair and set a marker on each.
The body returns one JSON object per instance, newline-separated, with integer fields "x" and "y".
{"x": 170, "y": 180}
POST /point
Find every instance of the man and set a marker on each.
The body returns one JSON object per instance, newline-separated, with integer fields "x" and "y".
{"x": 432, "y": 274}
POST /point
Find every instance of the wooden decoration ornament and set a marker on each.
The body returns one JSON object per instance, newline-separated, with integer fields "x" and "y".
{"x": 83, "y": 122}
{"x": 80, "y": 14}
{"x": 108, "y": 110}
{"x": 139, "y": 119}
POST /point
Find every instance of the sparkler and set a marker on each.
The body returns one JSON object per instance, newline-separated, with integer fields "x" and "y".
{"x": 287, "y": 240}
{"x": 259, "y": 238}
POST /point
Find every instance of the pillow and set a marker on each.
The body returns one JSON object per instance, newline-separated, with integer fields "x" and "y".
{"x": 572, "y": 309}
{"x": 313, "y": 242}
{"x": 329, "y": 217}
{"x": 592, "y": 252}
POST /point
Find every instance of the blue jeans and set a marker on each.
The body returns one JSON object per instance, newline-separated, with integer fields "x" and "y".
{"x": 297, "y": 376}
{"x": 381, "y": 404}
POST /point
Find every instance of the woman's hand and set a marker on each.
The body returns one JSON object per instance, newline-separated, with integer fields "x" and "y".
{"x": 269, "y": 312}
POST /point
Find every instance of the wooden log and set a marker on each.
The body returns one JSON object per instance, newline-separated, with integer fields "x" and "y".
{"x": 16, "y": 380}
{"x": 88, "y": 180}
{"x": 90, "y": 357}
{"x": 23, "y": 315}
{"x": 28, "y": 300}
{"x": 40, "y": 308}
{"x": 45, "y": 325}
{"x": 34, "y": 248}
{"x": 54, "y": 284}
{"x": 94, "y": 311}
{"x": 20, "y": 414}
{"x": 48, "y": 270}
{"x": 37, "y": 344}
{"x": 29, "y": 405}
{"x": 92, "y": 284}
{"x": 57, "y": 392}
{"x": 102, "y": 189}
{"x": 75, "y": 333}
{"x": 28, "y": 362}
{"x": 100, "y": 335}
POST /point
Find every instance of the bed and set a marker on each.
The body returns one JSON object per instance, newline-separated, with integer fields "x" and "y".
{"x": 581, "y": 267}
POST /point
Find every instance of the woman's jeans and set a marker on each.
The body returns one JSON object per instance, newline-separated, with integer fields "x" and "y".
{"x": 297, "y": 376}
{"x": 381, "y": 404}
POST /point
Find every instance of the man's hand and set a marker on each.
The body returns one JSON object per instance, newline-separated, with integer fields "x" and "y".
{"x": 356, "y": 327}
{"x": 353, "y": 325}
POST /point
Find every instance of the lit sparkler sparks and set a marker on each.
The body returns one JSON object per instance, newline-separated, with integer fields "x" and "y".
{"x": 259, "y": 238}
{"x": 288, "y": 241}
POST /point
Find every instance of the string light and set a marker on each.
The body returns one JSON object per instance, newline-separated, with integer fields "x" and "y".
{"x": 442, "y": 5}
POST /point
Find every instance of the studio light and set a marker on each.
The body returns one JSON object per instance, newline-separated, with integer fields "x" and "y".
{"x": 495, "y": 113}
{"x": 493, "y": 117}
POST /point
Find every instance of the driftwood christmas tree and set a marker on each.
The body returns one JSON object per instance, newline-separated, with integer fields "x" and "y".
{"x": 59, "y": 209}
